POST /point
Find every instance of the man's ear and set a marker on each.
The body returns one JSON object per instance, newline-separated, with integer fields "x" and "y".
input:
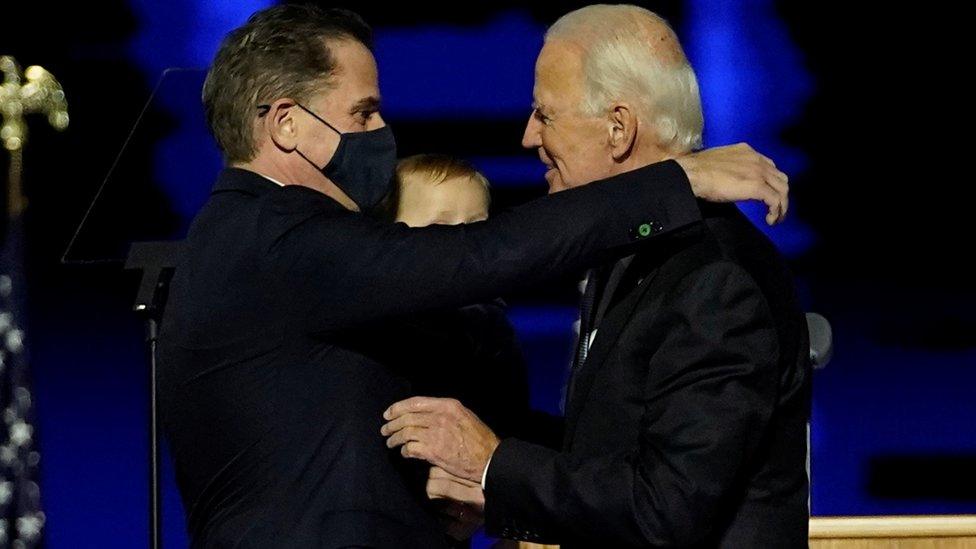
{"x": 623, "y": 130}
{"x": 280, "y": 124}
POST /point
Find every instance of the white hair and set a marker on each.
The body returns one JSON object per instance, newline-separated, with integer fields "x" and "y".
{"x": 621, "y": 63}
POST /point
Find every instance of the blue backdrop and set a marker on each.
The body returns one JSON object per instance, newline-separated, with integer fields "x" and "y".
{"x": 883, "y": 398}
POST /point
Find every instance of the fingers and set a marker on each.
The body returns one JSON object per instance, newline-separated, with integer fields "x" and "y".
{"x": 416, "y": 450}
{"x": 780, "y": 183}
{"x": 442, "y": 432}
{"x": 773, "y": 185}
{"x": 766, "y": 160}
{"x": 777, "y": 213}
{"x": 775, "y": 180}
{"x": 411, "y": 413}
{"x": 406, "y": 420}
{"x": 414, "y": 405}
{"x": 405, "y": 435}
{"x": 437, "y": 472}
{"x": 445, "y": 489}
{"x": 775, "y": 206}
{"x": 422, "y": 405}
{"x": 441, "y": 474}
{"x": 448, "y": 489}
{"x": 772, "y": 200}
{"x": 784, "y": 183}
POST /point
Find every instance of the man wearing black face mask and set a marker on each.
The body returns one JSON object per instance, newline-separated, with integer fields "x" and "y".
{"x": 363, "y": 162}
{"x": 271, "y": 401}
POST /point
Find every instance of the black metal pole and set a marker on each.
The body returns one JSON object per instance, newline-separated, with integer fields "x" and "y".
{"x": 155, "y": 492}
{"x": 156, "y": 260}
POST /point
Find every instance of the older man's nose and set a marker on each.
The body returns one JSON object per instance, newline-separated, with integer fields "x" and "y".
{"x": 532, "y": 138}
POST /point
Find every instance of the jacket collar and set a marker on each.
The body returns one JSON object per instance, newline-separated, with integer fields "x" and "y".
{"x": 238, "y": 179}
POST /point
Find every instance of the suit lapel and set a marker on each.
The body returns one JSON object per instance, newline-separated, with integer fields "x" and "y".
{"x": 616, "y": 318}
{"x": 608, "y": 296}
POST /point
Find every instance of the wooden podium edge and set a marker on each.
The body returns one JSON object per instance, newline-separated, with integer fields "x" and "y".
{"x": 893, "y": 526}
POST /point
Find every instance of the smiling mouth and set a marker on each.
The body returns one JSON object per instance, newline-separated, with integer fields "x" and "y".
{"x": 545, "y": 161}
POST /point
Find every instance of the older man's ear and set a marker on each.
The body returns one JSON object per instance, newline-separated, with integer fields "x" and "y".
{"x": 623, "y": 131}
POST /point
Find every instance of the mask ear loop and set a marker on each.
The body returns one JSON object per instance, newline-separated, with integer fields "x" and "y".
{"x": 307, "y": 159}
{"x": 265, "y": 109}
{"x": 319, "y": 118}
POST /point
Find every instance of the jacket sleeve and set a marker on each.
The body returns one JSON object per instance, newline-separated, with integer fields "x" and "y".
{"x": 351, "y": 270}
{"x": 709, "y": 396}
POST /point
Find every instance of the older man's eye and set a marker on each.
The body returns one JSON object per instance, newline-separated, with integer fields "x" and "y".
{"x": 541, "y": 117}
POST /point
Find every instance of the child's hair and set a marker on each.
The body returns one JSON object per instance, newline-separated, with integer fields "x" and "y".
{"x": 431, "y": 169}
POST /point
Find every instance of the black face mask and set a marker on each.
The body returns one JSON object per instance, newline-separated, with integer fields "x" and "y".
{"x": 363, "y": 165}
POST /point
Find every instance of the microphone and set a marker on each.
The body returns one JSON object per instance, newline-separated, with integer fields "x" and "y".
{"x": 821, "y": 340}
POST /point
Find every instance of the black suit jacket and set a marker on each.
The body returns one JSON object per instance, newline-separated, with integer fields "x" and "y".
{"x": 686, "y": 424}
{"x": 470, "y": 354}
{"x": 271, "y": 403}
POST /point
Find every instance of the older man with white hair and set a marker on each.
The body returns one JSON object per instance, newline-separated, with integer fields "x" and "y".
{"x": 687, "y": 405}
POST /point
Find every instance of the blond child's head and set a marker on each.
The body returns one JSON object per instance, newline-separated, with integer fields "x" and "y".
{"x": 434, "y": 189}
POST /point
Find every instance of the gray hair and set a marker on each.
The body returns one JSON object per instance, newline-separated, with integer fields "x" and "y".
{"x": 620, "y": 62}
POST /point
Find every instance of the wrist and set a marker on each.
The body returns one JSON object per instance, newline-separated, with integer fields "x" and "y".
{"x": 687, "y": 164}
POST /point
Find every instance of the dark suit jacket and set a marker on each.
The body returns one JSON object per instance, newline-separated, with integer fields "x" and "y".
{"x": 468, "y": 353}
{"x": 686, "y": 424}
{"x": 270, "y": 405}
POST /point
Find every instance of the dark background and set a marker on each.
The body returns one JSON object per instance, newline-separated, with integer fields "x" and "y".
{"x": 866, "y": 111}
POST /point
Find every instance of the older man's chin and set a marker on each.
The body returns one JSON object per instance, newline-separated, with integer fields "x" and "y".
{"x": 555, "y": 181}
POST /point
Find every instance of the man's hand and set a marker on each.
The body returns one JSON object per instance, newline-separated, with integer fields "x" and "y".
{"x": 738, "y": 172}
{"x": 442, "y": 432}
{"x": 463, "y": 502}
{"x": 444, "y": 485}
